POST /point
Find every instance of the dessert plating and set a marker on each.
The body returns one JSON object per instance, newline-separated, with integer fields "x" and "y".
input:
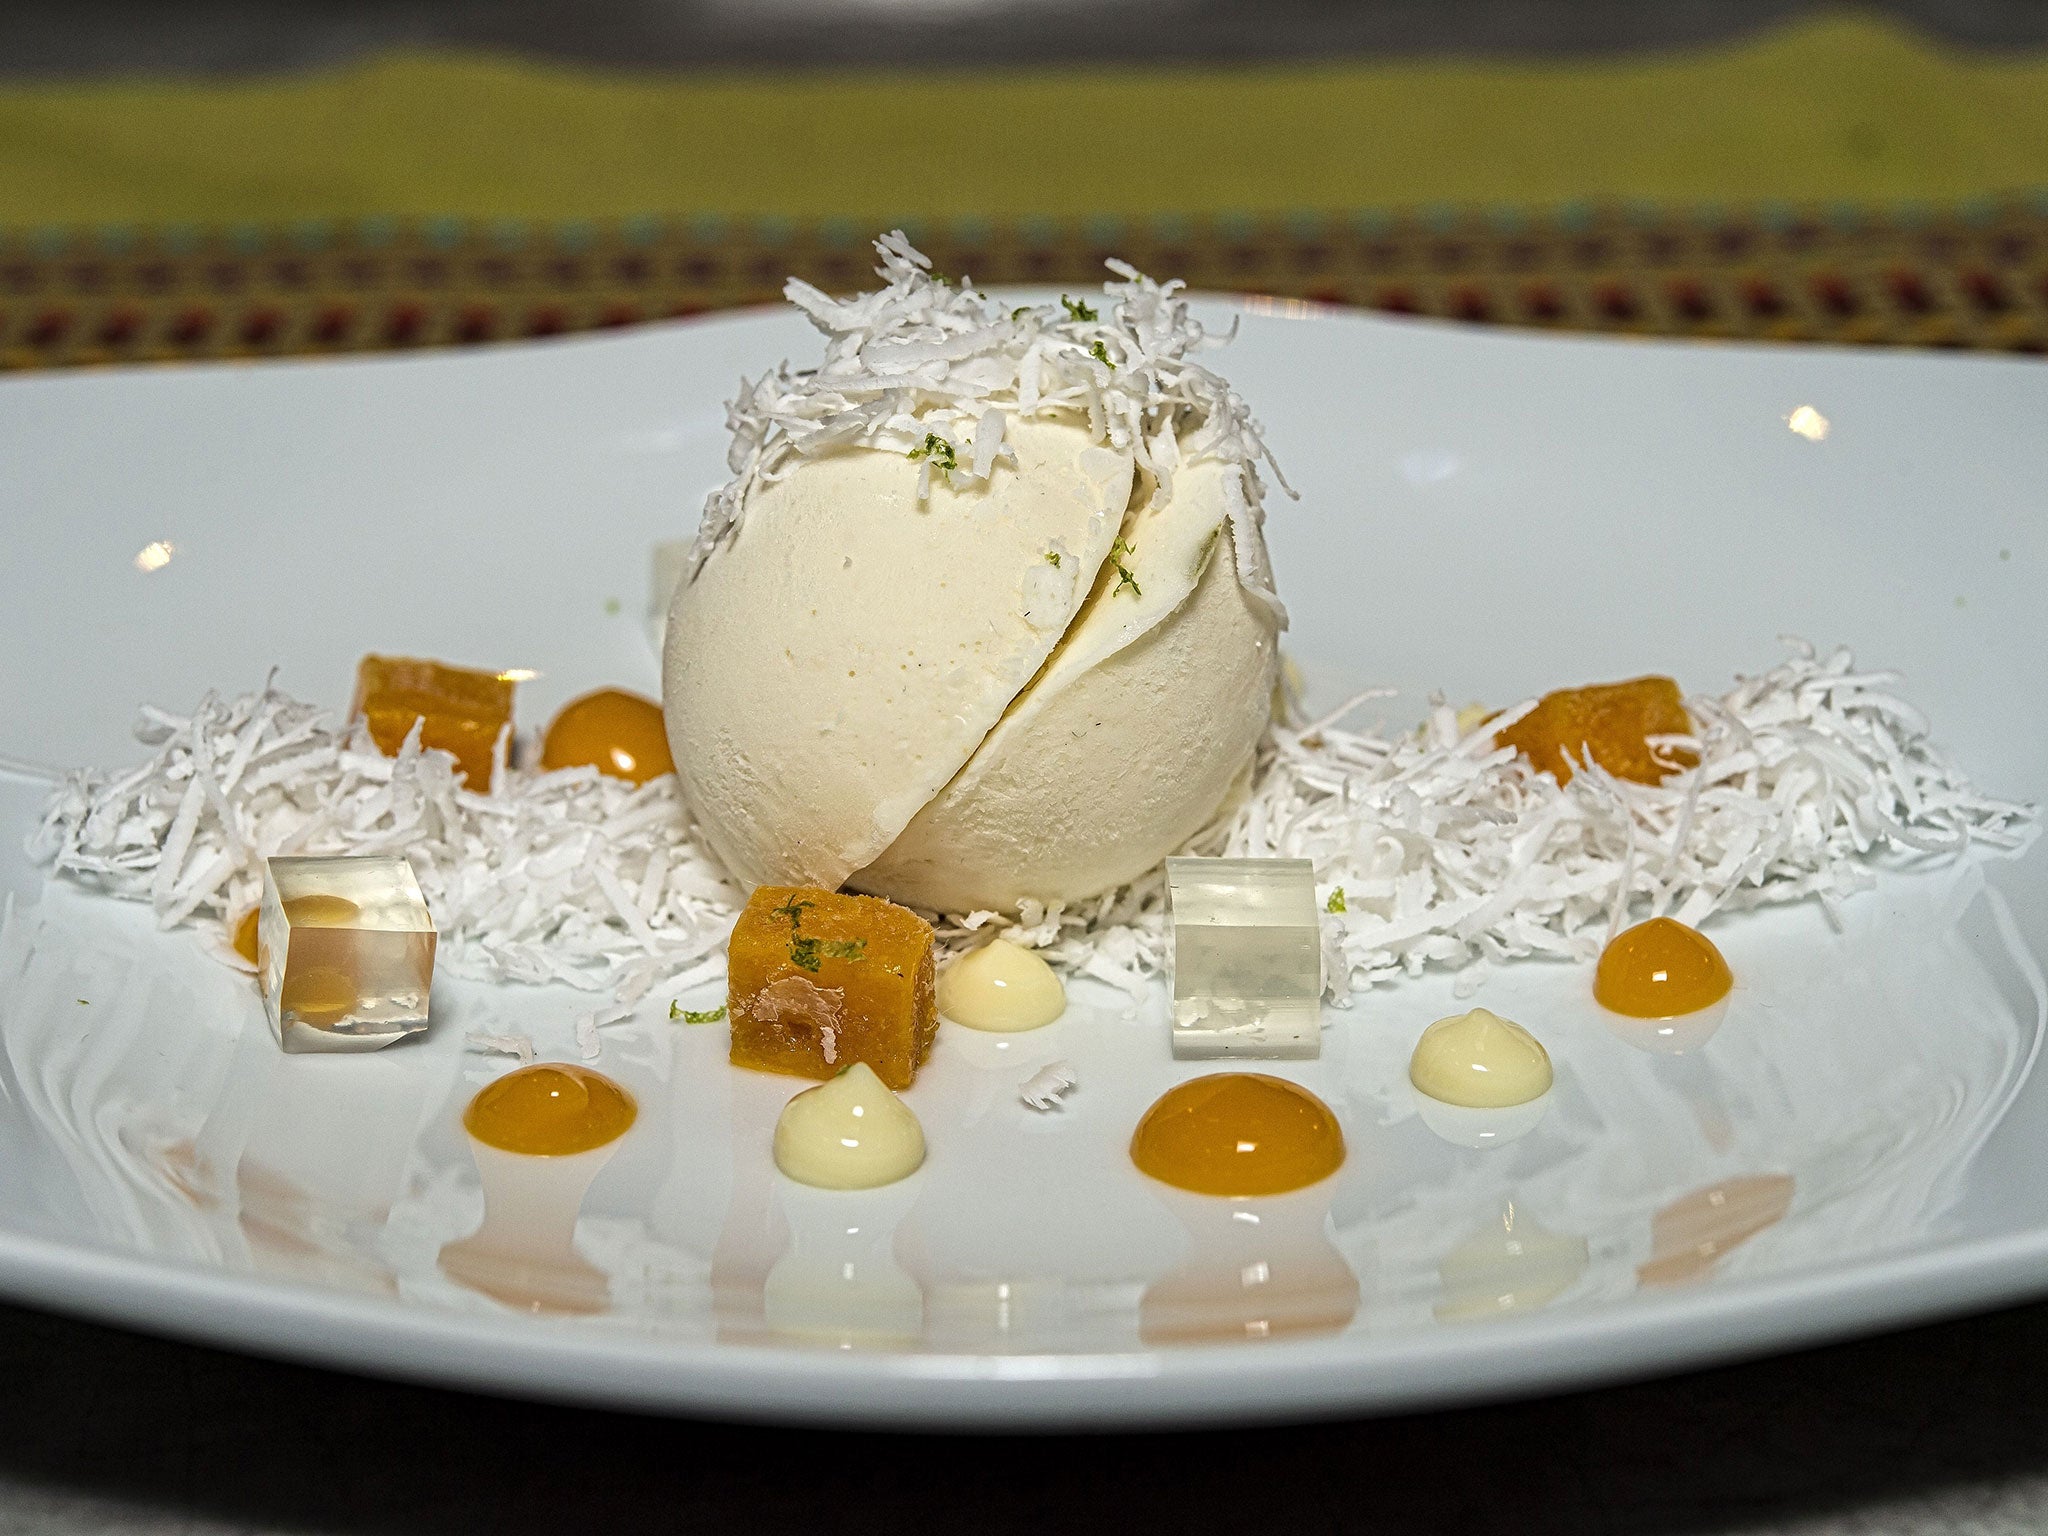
{"x": 984, "y": 621}
{"x": 1076, "y": 683}
{"x": 1449, "y": 849}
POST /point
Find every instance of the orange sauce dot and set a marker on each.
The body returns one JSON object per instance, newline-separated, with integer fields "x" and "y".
{"x": 315, "y": 911}
{"x": 612, "y": 731}
{"x": 318, "y": 994}
{"x": 1238, "y": 1134}
{"x": 319, "y": 910}
{"x": 1659, "y": 970}
{"x": 550, "y": 1109}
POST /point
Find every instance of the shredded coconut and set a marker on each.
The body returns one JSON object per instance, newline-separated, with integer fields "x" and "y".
{"x": 503, "y": 1045}
{"x": 932, "y": 370}
{"x": 1051, "y": 1083}
{"x": 1450, "y": 851}
{"x": 588, "y": 1041}
{"x": 795, "y": 1000}
{"x": 568, "y": 876}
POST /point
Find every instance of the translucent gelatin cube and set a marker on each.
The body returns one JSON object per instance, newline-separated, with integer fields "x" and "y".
{"x": 817, "y": 980}
{"x": 1247, "y": 958}
{"x": 462, "y": 711}
{"x": 345, "y": 952}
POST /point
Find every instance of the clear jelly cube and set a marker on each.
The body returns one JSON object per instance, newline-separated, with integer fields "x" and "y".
{"x": 1247, "y": 957}
{"x": 345, "y": 951}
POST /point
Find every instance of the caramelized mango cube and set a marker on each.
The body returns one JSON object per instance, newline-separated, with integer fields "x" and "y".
{"x": 817, "y": 980}
{"x": 463, "y": 710}
{"x": 1612, "y": 722}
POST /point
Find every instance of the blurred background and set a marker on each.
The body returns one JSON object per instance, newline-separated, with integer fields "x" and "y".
{"x": 227, "y": 36}
{"x": 242, "y": 178}
{"x": 248, "y": 179}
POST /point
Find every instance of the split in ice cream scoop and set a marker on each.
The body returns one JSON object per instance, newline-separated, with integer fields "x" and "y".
{"x": 985, "y": 615}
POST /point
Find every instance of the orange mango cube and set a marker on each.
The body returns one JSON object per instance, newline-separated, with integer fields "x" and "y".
{"x": 1612, "y": 722}
{"x": 817, "y": 980}
{"x": 463, "y": 710}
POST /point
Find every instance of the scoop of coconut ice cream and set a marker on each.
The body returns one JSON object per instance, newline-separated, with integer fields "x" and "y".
{"x": 1125, "y": 745}
{"x": 928, "y": 642}
{"x": 833, "y": 666}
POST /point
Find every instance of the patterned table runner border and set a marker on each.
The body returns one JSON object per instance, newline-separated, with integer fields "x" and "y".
{"x": 1970, "y": 275}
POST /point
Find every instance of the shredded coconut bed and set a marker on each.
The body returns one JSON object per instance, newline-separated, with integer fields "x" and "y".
{"x": 1438, "y": 848}
{"x": 1448, "y": 851}
{"x": 567, "y": 876}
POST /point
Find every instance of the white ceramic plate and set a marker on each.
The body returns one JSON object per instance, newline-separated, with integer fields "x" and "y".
{"x": 1485, "y": 514}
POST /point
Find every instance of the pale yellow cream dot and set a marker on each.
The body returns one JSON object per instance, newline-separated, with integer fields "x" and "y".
{"x": 1002, "y": 987}
{"x": 849, "y": 1133}
{"x": 1481, "y": 1061}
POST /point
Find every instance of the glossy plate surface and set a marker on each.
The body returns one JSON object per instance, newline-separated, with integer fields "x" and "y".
{"x": 1488, "y": 515}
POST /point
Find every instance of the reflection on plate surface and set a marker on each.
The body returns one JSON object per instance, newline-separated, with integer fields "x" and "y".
{"x": 1824, "y": 1115}
{"x": 1511, "y": 1264}
{"x": 166, "y": 1169}
{"x": 524, "y": 1254}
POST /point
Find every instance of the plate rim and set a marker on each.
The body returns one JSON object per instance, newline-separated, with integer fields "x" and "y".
{"x": 1181, "y": 1386}
{"x": 1187, "y": 1386}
